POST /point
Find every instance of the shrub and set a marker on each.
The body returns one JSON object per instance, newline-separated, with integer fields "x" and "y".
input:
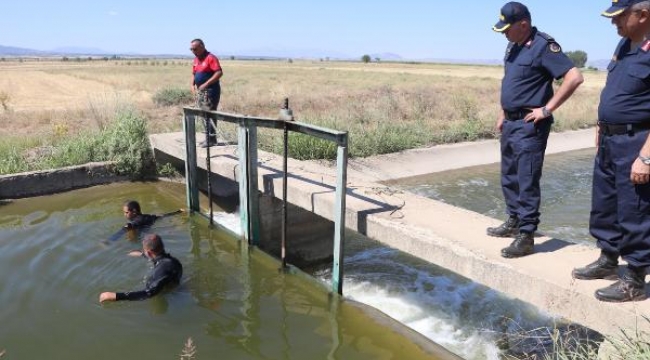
{"x": 123, "y": 140}
{"x": 126, "y": 142}
{"x": 173, "y": 97}
{"x": 4, "y": 100}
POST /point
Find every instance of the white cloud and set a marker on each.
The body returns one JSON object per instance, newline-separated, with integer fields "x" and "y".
{"x": 112, "y": 13}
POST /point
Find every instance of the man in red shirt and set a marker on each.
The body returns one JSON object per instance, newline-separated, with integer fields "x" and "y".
{"x": 206, "y": 72}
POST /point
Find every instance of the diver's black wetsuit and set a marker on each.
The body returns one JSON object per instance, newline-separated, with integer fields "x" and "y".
{"x": 167, "y": 270}
{"x": 141, "y": 220}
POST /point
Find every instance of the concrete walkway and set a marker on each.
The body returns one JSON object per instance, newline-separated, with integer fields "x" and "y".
{"x": 439, "y": 233}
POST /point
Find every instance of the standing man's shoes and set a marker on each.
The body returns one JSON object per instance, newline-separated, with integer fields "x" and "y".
{"x": 211, "y": 142}
{"x": 522, "y": 245}
{"x": 630, "y": 287}
{"x": 509, "y": 228}
{"x": 606, "y": 267}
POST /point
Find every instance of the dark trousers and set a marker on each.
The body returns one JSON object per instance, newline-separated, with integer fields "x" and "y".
{"x": 620, "y": 210}
{"x": 523, "y": 145}
{"x": 209, "y": 100}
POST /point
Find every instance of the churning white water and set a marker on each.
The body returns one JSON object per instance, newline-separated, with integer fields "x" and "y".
{"x": 459, "y": 314}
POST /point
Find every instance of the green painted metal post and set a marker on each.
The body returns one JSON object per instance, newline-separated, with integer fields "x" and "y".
{"x": 253, "y": 187}
{"x": 248, "y": 183}
{"x": 244, "y": 206}
{"x": 191, "y": 178}
{"x": 339, "y": 217}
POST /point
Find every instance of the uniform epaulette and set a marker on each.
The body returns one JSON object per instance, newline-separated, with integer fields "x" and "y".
{"x": 552, "y": 44}
{"x": 645, "y": 46}
{"x": 546, "y": 36}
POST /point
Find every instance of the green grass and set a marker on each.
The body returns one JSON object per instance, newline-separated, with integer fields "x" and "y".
{"x": 628, "y": 345}
{"x": 123, "y": 140}
{"x": 173, "y": 96}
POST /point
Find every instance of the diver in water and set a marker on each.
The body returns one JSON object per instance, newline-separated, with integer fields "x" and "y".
{"x": 134, "y": 216}
{"x": 136, "y": 220}
{"x": 166, "y": 271}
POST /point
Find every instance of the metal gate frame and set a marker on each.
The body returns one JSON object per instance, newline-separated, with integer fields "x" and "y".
{"x": 248, "y": 174}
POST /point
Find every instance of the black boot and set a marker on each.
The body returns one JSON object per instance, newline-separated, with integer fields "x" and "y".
{"x": 521, "y": 246}
{"x": 605, "y": 267}
{"x": 630, "y": 287}
{"x": 509, "y": 228}
{"x": 212, "y": 141}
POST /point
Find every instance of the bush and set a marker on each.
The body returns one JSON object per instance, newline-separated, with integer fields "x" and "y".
{"x": 124, "y": 141}
{"x": 578, "y": 57}
{"x": 173, "y": 97}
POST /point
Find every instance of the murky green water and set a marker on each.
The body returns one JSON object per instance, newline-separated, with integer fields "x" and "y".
{"x": 234, "y": 305}
{"x": 565, "y": 184}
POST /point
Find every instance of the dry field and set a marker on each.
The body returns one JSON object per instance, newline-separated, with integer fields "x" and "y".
{"x": 54, "y": 97}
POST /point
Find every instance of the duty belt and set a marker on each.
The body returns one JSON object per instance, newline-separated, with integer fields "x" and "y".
{"x": 517, "y": 114}
{"x": 621, "y": 129}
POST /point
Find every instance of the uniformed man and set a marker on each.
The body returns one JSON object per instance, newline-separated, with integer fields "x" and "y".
{"x": 620, "y": 206}
{"x": 532, "y": 60}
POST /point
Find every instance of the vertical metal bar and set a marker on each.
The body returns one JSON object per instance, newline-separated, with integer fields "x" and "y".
{"x": 253, "y": 187}
{"x": 191, "y": 185}
{"x": 339, "y": 217}
{"x": 334, "y": 324}
{"x": 285, "y": 155}
{"x": 208, "y": 124}
{"x": 244, "y": 209}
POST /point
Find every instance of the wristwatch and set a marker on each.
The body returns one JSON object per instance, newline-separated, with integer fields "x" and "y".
{"x": 546, "y": 112}
{"x": 645, "y": 160}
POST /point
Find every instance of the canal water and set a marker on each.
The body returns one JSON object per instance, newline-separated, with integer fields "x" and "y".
{"x": 232, "y": 303}
{"x": 565, "y": 184}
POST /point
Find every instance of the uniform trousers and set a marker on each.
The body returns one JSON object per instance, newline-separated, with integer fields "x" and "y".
{"x": 620, "y": 210}
{"x": 523, "y": 145}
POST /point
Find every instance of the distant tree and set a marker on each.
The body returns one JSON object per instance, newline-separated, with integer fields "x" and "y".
{"x": 232, "y": 57}
{"x": 365, "y": 58}
{"x": 578, "y": 57}
{"x": 290, "y": 61}
{"x": 65, "y": 58}
{"x": 377, "y": 59}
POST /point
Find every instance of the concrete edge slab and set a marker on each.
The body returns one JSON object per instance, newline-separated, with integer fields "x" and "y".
{"x": 45, "y": 182}
{"x": 450, "y": 237}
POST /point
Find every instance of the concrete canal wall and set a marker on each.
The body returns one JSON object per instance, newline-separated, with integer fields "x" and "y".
{"x": 439, "y": 233}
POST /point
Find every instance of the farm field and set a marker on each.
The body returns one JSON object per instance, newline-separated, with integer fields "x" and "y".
{"x": 386, "y": 107}
{"x": 40, "y": 94}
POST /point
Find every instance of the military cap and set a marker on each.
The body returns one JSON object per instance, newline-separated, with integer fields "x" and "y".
{"x": 618, "y": 6}
{"x": 510, "y": 14}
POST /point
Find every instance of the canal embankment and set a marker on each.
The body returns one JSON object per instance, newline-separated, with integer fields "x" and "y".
{"x": 447, "y": 236}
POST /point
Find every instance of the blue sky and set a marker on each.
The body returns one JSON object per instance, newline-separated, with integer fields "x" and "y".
{"x": 414, "y": 29}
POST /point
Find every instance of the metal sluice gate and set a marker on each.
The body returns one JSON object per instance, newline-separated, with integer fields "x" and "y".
{"x": 248, "y": 174}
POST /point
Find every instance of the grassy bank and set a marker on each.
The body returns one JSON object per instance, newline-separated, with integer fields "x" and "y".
{"x": 627, "y": 345}
{"x": 123, "y": 140}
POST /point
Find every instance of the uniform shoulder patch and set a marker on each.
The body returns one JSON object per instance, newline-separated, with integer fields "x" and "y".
{"x": 554, "y": 47}
{"x": 546, "y": 36}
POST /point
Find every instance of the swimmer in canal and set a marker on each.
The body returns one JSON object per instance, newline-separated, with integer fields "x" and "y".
{"x": 167, "y": 271}
{"x": 136, "y": 219}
